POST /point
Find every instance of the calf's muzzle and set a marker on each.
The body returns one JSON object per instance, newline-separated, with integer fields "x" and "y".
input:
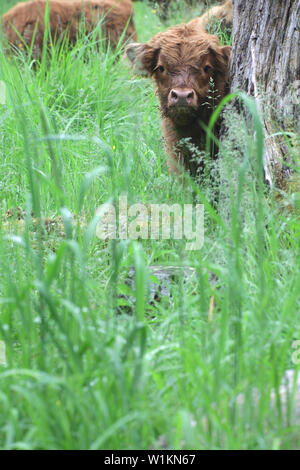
{"x": 182, "y": 97}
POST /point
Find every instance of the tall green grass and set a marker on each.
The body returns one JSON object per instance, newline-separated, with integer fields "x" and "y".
{"x": 85, "y": 371}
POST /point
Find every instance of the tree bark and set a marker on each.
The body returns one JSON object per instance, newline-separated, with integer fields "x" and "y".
{"x": 266, "y": 64}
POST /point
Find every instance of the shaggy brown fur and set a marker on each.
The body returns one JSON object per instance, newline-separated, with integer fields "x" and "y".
{"x": 185, "y": 64}
{"x": 23, "y": 19}
{"x": 222, "y": 13}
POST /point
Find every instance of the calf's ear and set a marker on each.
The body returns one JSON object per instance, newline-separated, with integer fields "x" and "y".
{"x": 222, "y": 57}
{"x": 226, "y": 51}
{"x": 143, "y": 57}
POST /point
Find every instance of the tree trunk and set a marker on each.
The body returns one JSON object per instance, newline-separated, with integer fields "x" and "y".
{"x": 266, "y": 64}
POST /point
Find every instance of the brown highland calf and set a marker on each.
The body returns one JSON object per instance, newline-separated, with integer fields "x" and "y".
{"x": 26, "y": 21}
{"x": 190, "y": 71}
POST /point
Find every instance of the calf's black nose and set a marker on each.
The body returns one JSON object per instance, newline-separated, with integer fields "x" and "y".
{"x": 182, "y": 97}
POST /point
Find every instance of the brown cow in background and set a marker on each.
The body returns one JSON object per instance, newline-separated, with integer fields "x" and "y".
{"x": 190, "y": 71}
{"x": 26, "y": 21}
{"x": 219, "y": 13}
{"x": 163, "y": 6}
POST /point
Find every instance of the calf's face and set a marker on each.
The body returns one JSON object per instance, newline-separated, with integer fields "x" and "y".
{"x": 185, "y": 64}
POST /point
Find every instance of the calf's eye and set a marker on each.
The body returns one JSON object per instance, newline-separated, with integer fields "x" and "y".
{"x": 207, "y": 68}
{"x": 160, "y": 68}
